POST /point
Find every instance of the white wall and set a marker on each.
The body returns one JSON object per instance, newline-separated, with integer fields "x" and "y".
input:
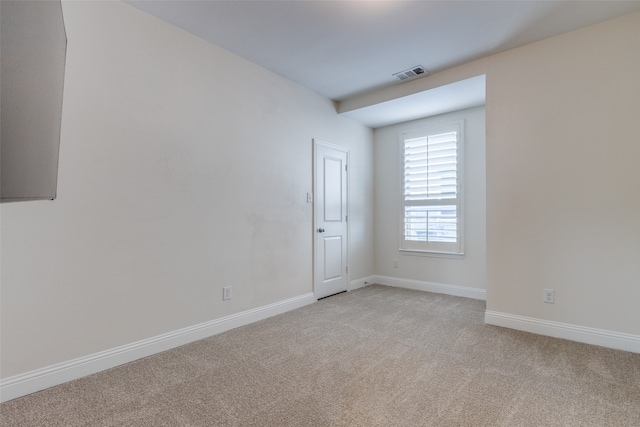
{"x": 469, "y": 271}
{"x": 183, "y": 168}
{"x": 563, "y": 182}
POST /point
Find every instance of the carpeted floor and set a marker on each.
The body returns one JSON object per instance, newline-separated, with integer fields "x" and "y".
{"x": 378, "y": 356}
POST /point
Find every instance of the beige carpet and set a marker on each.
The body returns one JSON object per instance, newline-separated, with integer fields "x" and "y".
{"x": 378, "y": 356}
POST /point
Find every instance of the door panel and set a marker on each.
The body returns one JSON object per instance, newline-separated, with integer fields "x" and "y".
{"x": 332, "y": 189}
{"x": 332, "y": 257}
{"x": 330, "y": 219}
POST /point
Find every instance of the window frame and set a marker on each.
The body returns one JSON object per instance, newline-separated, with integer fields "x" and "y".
{"x": 433, "y": 248}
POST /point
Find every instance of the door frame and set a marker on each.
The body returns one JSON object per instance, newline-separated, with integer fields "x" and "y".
{"x": 317, "y": 142}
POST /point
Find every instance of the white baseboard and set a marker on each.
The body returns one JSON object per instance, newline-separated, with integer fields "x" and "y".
{"x": 40, "y": 379}
{"x": 361, "y": 282}
{"x": 440, "y": 288}
{"x": 601, "y": 337}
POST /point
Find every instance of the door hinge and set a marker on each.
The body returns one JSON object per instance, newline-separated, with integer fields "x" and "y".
{"x": 346, "y": 218}
{"x": 346, "y": 168}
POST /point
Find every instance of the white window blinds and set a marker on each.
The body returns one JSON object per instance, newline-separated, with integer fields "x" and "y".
{"x": 431, "y": 188}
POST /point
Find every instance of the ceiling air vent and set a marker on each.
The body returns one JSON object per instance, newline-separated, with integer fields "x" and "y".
{"x": 411, "y": 73}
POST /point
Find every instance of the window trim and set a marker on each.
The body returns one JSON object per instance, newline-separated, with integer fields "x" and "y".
{"x": 434, "y": 249}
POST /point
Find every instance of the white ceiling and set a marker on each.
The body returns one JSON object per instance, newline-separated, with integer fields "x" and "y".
{"x": 341, "y": 49}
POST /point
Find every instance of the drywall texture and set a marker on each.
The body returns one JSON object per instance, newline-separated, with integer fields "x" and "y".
{"x": 469, "y": 271}
{"x": 563, "y": 194}
{"x": 563, "y": 199}
{"x": 183, "y": 169}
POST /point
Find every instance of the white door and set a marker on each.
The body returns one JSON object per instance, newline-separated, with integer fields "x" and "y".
{"x": 330, "y": 219}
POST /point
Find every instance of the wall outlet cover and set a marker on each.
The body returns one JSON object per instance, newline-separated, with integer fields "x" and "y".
{"x": 549, "y": 296}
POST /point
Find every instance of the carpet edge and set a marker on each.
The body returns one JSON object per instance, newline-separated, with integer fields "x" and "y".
{"x": 43, "y": 378}
{"x": 439, "y": 288}
{"x": 583, "y": 334}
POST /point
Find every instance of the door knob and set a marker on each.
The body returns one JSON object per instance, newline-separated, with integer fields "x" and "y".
{"x": 320, "y": 230}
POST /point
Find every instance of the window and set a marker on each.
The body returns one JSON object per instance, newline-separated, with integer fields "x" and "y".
{"x": 431, "y": 189}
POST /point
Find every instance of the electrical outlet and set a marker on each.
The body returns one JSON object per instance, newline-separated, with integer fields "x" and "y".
{"x": 309, "y": 198}
{"x": 549, "y": 296}
{"x": 226, "y": 293}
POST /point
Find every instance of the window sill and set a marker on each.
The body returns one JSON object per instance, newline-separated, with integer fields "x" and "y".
{"x": 434, "y": 254}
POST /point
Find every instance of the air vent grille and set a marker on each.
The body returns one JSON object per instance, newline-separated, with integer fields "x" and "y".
{"x": 413, "y": 72}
